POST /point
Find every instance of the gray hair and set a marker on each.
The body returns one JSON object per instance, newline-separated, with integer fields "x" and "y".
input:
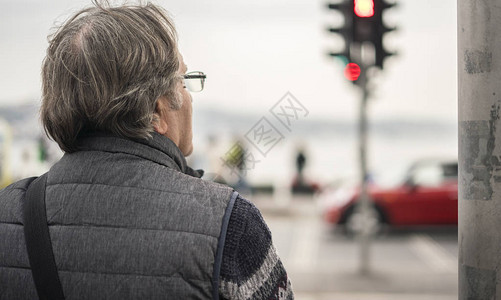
{"x": 104, "y": 70}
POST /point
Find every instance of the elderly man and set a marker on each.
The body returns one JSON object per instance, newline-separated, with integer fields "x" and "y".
{"x": 127, "y": 218}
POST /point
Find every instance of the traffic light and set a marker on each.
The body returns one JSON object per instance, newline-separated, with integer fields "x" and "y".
{"x": 363, "y": 20}
{"x": 381, "y": 29}
{"x": 352, "y": 70}
{"x": 346, "y": 31}
{"x": 363, "y": 23}
{"x": 368, "y": 26}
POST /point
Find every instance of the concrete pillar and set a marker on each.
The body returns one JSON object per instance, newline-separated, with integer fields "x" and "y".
{"x": 479, "y": 68}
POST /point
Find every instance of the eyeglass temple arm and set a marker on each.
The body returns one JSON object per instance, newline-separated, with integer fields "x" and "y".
{"x": 194, "y": 76}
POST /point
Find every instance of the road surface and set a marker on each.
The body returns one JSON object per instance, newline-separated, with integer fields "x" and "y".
{"x": 415, "y": 264}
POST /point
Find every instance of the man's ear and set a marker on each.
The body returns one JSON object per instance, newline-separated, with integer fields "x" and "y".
{"x": 160, "y": 124}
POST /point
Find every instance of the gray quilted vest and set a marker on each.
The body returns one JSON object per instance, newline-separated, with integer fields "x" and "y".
{"x": 127, "y": 220}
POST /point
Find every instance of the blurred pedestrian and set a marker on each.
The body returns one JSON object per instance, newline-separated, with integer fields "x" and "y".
{"x": 127, "y": 218}
{"x": 300, "y": 163}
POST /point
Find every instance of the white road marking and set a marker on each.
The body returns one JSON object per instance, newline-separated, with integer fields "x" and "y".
{"x": 305, "y": 246}
{"x": 434, "y": 255}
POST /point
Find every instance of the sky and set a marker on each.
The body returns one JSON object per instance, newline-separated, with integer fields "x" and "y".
{"x": 254, "y": 52}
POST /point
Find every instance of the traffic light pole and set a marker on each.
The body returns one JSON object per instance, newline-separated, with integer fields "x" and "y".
{"x": 363, "y": 24}
{"x": 364, "y": 235}
{"x": 479, "y": 91}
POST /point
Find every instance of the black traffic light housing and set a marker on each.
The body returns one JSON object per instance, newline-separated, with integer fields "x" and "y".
{"x": 346, "y": 30}
{"x": 361, "y": 29}
{"x": 372, "y": 29}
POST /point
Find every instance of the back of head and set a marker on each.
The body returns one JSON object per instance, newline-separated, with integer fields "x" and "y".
{"x": 104, "y": 70}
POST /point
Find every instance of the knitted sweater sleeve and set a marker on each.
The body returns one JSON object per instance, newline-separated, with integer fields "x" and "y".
{"x": 251, "y": 268}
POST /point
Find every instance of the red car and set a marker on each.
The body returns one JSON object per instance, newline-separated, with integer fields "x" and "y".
{"x": 427, "y": 196}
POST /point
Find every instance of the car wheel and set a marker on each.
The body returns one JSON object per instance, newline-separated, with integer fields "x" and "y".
{"x": 355, "y": 221}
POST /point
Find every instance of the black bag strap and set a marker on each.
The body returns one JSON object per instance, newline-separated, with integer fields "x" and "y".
{"x": 220, "y": 246}
{"x": 36, "y": 234}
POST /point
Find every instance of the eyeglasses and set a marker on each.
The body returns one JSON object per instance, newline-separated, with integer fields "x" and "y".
{"x": 194, "y": 81}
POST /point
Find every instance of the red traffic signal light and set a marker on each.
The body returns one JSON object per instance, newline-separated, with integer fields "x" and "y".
{"x": 364, "y": 8}
{"x": 352, "y": 71}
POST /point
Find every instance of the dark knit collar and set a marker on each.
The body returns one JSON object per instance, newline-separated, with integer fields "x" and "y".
{"x": 158, "y": 148}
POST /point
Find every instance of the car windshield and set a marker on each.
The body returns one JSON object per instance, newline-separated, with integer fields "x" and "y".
{"x": 426, "y": 173}
{"x": 391, "y": 177}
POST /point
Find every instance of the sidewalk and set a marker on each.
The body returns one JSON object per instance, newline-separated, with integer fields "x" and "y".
{"x": 370, "y": 296}
{"x": 324, "y": 265}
